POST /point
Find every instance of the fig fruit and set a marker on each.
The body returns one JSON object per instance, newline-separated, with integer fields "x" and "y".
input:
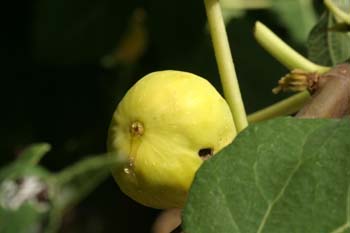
{"x": 164, "y": 126}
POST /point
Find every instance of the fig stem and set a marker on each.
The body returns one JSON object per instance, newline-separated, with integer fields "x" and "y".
{"x": 225, "y": 63}
{"x": 283, "y": 52}
{"x": 337, "y": 12}
{"x": 287, "y": 106}
{"x": 291, "y": 59}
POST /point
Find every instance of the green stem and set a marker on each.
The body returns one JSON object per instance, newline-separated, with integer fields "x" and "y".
{"x": 285, "y": 107}
{"x": 283, "y": 52}
{"x": 338, "y": 13}
{"x": 292, "y": 60}
{"x": 79, "y": 179}
{"x": 225, "y": 63}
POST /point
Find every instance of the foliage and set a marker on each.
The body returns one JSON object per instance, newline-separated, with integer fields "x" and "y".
{"x": 277, "y": 176}
{"x": 328, "y": 44}
{"x": 34, "y": 200}
{"x": 282, "y": 175}
{"x": 65, "y": 69}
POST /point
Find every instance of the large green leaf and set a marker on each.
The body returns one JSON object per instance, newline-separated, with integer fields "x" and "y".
{"x": 326, "y": 45}
{"x": 284, "y": 175}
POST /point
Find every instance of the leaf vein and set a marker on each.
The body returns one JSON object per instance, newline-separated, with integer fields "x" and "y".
{"x": 280, "y": 194}
{"x": 256, "y": 178}
{"x": 229, "y": 210}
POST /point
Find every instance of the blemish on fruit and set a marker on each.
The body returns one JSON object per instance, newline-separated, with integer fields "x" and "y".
{"x": 137, "y": 128}
{"x": 205, "y": 153}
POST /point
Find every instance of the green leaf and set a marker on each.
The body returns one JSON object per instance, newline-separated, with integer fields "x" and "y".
{"x": 33, "y": 154}
{"x": 284, "y": 175}
{"x": 27, "y": 163}
{"x": 326, "y": 45}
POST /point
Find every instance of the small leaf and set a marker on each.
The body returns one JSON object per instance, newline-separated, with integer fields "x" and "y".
{"x": 284, "y": 175}
{"x": 34, "y": 153}
{"x": 327, "y": 46}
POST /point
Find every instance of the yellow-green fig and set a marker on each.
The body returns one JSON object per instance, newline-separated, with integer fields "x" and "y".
{"x": 163, "y": 127}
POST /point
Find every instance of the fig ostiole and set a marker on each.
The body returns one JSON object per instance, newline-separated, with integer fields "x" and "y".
{"x": 165, "y": 125}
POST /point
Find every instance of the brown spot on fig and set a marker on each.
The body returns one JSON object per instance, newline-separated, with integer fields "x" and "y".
{"x": 205, "y": 153}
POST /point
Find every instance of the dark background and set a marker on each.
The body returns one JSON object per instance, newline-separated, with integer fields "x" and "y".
{"x": 55, "y": 89}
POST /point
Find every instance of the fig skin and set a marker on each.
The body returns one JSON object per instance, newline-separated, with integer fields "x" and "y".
{"x": 160, "y": 126}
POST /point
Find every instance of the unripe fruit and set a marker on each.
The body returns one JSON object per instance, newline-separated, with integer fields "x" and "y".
{"x": 163, "y": 126}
